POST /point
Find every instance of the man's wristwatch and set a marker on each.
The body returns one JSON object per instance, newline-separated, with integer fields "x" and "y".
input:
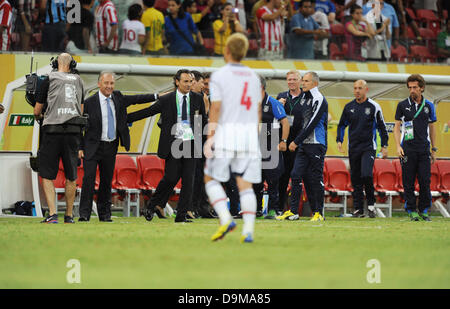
{"x": 434, "y": 149}
{"x": 284, "y": 141}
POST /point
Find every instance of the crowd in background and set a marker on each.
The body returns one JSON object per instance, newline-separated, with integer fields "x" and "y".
{"x": 277, "y": 29}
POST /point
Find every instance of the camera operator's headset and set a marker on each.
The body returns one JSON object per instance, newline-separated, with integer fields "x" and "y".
{"x": 54, "y": 63}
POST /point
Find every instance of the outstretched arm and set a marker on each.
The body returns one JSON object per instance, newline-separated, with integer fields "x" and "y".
{"x": 144, "y": 113}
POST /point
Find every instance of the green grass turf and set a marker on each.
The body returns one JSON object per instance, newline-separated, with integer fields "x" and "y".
{"x": 134, "y": 253}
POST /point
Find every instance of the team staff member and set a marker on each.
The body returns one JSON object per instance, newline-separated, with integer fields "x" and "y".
{"x": 416, "y": 117}
{"x": 107, "y": 111}
{"x": 273, "y": 115}
{"x": 291, "y": 101}
{"x": 63, "y": 92}
{"x": 181, "y": 126}
{"x": 311, "y": 146}
{"x": 363, "y": 116}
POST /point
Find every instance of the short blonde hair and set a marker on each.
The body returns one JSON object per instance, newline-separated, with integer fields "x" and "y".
{"x": 237, "y": 45}
{"x": 294, "y": 72}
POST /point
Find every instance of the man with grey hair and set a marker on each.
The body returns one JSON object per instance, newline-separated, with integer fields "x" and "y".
{"x": 362, "y": 115}
{"x": 310, "y": 146}
{"x": 107, "y": 111}
{"x": 62, "y": 94}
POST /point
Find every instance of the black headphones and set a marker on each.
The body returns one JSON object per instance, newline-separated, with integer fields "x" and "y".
{"x": 54, "y": 63}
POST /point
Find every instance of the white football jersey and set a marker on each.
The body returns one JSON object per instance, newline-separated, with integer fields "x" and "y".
{"x": 132, "y": 29}
{"x": 239, "y": 89}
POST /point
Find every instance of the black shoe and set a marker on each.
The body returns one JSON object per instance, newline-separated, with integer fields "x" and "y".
{"x": 83, "y": 219}
{"x": 148, "y": 214}
{"x": 51, "y": 219}
{"x": 68, "y": 219}
{"x": 359, "y": 213}
{"x": 259, "y": 214}
{"x": 238, "y": 216}
{"x": 184, "y": 220}
{"x": 372, "y": 213}
{"x": 106, "y": 219}
{"x": 190, "y": 215}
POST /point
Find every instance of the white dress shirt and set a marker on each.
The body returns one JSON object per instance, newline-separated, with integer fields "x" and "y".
{"x": 104, "y": 108}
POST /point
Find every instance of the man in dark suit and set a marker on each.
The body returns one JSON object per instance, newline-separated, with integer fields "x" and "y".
{"x": 107, "y": 111}
{"x": 180, "y": 143}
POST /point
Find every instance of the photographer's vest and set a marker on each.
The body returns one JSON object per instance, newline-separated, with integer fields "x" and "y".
{"x": 65, "y": 93}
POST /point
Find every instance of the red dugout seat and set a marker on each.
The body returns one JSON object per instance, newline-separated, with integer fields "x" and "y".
{"x": 399, "y": 53}
{"x": 125, "y": 181}
{"x": 385, "y": 183}
{"x": 335, "y": 52}
{"x": 430, "y": 19}
{"x": 338, "y": 184}
{"x": 151, "y": 169}
{"x": 422, "y": 53}
{"x": 444, "y": 172}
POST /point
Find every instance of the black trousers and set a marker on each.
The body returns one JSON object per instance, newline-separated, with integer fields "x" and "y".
{"x": 175, "y": 169}
{"x": 416, "y": 164}
{"x": 288, "y": 160}
{"x": 271, "y": 176}
{"x": 308, "y": 167}
{"x": 232, "y": 192}
{"x": 200, "y": 200}
{"x": 105, "y": 159}
{"x": 361, "y": 174}
{"x": 53, "y": 37}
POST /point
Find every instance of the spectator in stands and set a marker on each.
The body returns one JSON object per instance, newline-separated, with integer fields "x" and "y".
{"x": 388, "y": 11}
{"x": 205, "y": 24}
{"x": 443, "y": 42}
{"x": 133, "y": 34}
{"x": 23, "y": 22}
{"x": 357, "y": 30}
{"x": 153, "y": 21}
{"x": 441, "y": 6}
{"x": 409, "y": 22}
{"x": 2, "y": 108}
{"x": 327, "y": 7}
{"x": 180, "y": 29}
{"x": 303, "y": 30}
{"x": 347, "y": 6}
{"x": 190, "y": 6}
{"x": 5, "y": 25}
{"x": 224, "y": 27}
{"x": 80, "y": 33}
{"x": 270, "y": 18}
{"x": 107, "y": 25}
{"x": 321, "y": 44}
{"x": 53, "y": 33}
{"x": 378, "y": 48}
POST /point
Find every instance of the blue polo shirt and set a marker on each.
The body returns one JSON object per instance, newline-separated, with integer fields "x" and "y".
{"x": 301, "y": 46}
{"x": 325, "y": 6}
{"x": 406, "y": 110}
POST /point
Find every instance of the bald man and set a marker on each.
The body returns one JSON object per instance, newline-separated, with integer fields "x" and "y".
{"x": 61, "y": 137}
{"x": 363, "y": 116}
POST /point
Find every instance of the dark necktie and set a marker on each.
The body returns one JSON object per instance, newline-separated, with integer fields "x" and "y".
{"x": 184, "y": 109}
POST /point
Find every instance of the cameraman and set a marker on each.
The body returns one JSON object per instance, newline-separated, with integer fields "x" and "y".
{"x": 63, "y": 92}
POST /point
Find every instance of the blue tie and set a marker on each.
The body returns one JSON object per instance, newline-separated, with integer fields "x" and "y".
{"x": 111, "y": 130}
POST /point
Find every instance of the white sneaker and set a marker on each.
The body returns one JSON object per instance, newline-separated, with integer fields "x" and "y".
{"x": 293, "y": 218}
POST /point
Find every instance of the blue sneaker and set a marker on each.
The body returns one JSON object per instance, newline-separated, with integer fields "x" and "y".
{"x": 247, "y": 238}
{"x": 51, "y": 219}
{"x": 223, "y": 230}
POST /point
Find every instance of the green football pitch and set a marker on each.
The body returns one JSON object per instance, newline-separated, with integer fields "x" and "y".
{"x": 134, "y": 253}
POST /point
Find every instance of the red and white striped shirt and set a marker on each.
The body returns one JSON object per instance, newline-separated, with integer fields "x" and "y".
{"x": 270, "y": 30}
{"x": 5, "y": 21}
{"x": 105, "y": 18}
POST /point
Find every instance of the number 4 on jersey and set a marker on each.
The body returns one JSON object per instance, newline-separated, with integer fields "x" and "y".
{"x": 245, "y": 100}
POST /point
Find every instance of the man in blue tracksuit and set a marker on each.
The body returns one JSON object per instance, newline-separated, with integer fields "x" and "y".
{"x": 273, "y": 115}
{"x": 416, "y": 116}
{"x": 311, "y": 146}
{"x": 363, "y": 116}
